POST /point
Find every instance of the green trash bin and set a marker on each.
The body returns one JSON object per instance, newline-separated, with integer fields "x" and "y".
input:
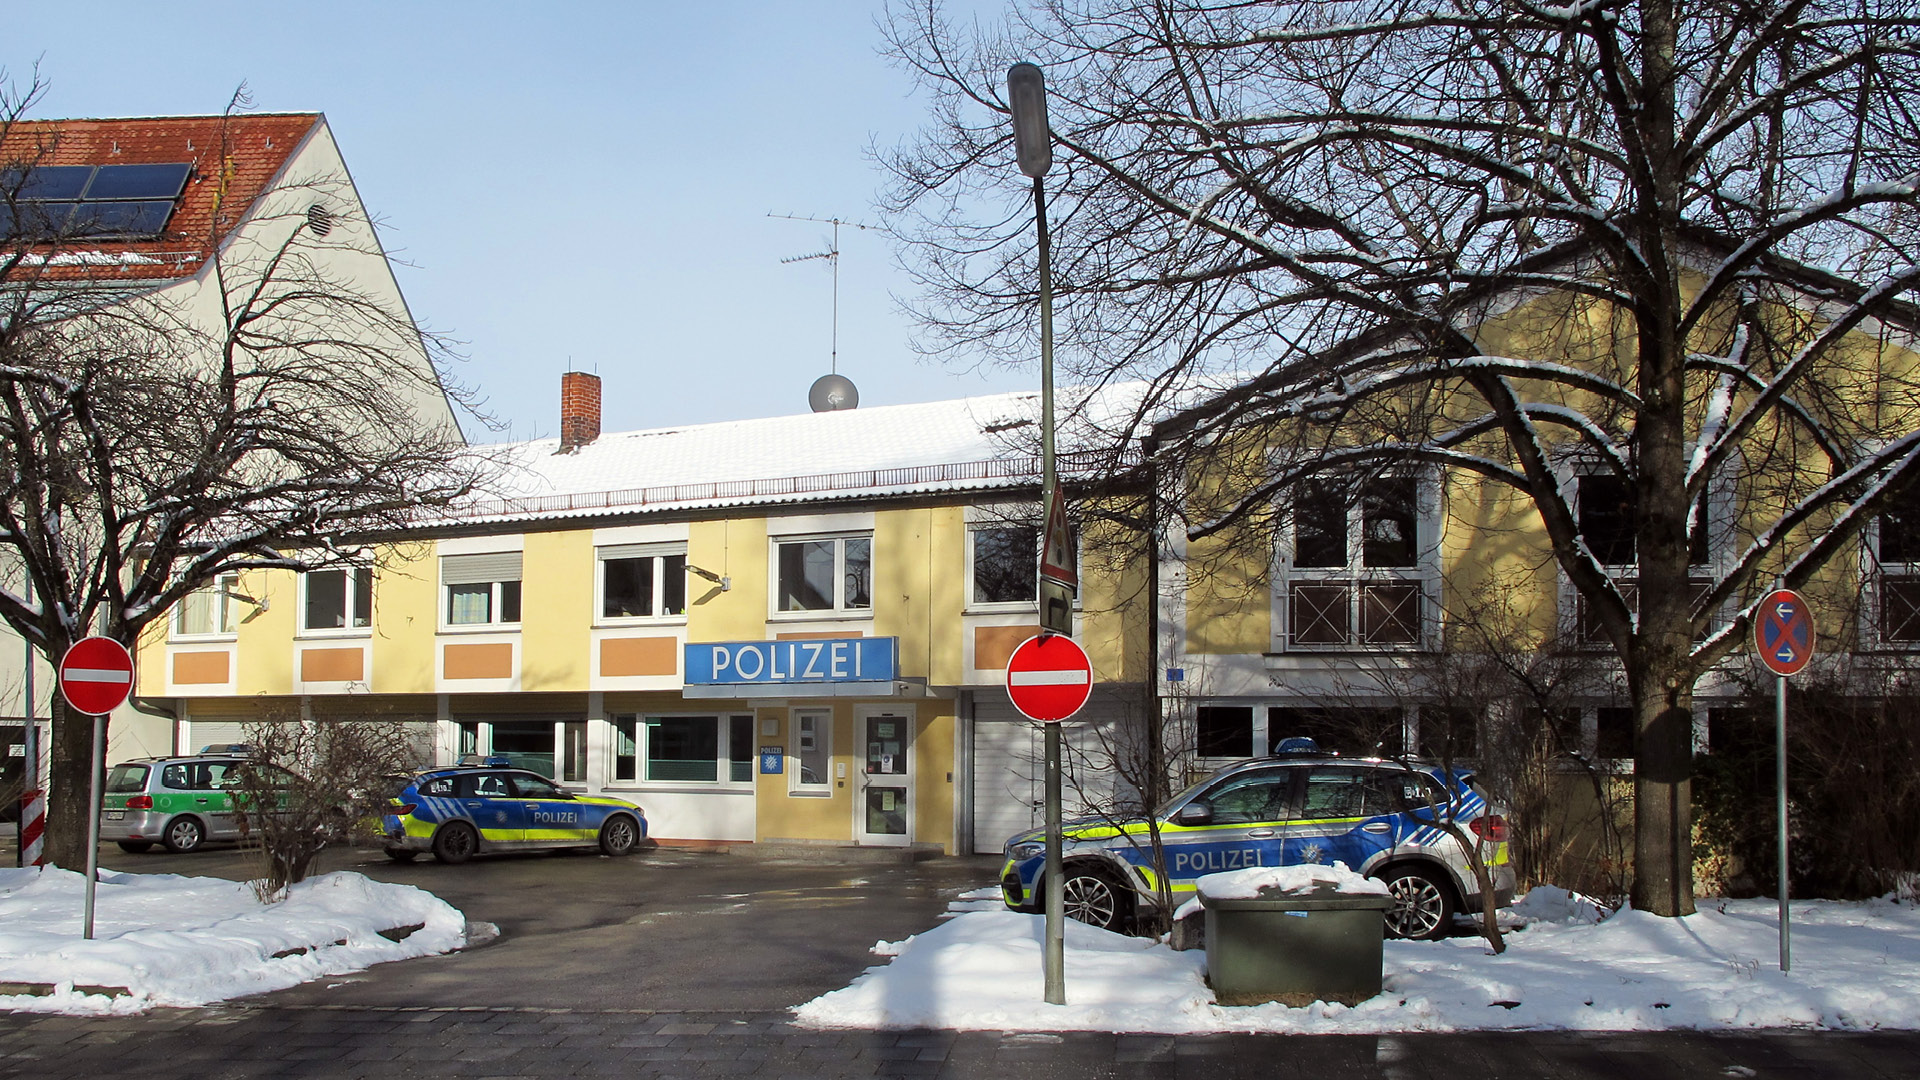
{"x": 1294, "y": 947}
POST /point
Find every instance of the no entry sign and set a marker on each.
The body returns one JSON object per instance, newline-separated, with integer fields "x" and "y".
{"x": 1049, "y": 677}
{"x": 96, "y": 675}
{"x": 1783, "y": 632}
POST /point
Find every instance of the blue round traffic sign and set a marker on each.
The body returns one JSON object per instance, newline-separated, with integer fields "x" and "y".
{"x": 1783, "y": 632}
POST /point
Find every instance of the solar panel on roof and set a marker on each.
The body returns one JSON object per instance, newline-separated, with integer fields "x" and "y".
{"x": 52, "y": 181}
{"x": 139, "y": 181}
{"x": 120, "y": 218}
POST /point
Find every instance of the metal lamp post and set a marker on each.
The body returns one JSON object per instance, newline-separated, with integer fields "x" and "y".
{"x": 1033, "y": 149}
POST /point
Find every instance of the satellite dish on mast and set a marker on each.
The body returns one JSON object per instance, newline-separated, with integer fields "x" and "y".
{"x": 831, "y": 393}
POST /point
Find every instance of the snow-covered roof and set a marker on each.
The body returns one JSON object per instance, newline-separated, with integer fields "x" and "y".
{"x": 971, "y": 443}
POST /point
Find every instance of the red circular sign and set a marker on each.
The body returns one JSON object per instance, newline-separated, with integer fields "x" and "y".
{"x": 1783, "y": 632}
{"x": 96, "y": 675}
{"x": 1049, "y": 677}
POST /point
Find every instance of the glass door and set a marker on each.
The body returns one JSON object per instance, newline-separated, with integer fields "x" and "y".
{"x": 886, "y": 781}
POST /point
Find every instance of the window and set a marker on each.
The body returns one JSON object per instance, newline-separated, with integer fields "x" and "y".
{"x": 207, "y": 610}
{"x": 338, "y": 599}
{"x": 1447, "y": 734}
{"x": 642, "y": 582}
{"x": 1353, "y": 732}
{"x": 1359, "y": 574}
{"x": 1608, "y": 513}
{"x": 573, "y": 751}
{"x": 812, "y": 752}
{"x": 1006, "y": 561}
{"x": 1261, "y": 796}
{"x": 526, "y": 744}
{"x": 683, "y": 749}
{"x": 830, "y": 574}
{"x": 481, "y": 589}
{"x": 1614, "y": 737}
{"x": 1897, "y": 544}
{"x": 1224, "y": 731}
{"x": 1348, "y": 793}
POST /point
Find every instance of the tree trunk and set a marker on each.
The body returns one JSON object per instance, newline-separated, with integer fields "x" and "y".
{"x": 70, "y": 786}
{"x": 1663, "y": 798}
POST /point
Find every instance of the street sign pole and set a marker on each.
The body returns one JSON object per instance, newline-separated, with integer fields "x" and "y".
{"x": 1780, "y": 807}
{"x": 1783, "y": 639}
{"x": 96, "y": 675}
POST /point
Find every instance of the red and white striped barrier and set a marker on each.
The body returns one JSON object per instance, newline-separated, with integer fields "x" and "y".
{"x": 33, "y": 828}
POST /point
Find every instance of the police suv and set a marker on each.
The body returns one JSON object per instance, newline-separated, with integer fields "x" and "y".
{"x": 1403, "y": 822}
{"x": 457, "y": 812}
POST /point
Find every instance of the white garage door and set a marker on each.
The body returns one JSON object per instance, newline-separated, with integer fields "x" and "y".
{"x": 1009, "y": 770}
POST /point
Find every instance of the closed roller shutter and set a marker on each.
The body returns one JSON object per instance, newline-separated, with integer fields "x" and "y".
{"x": 1009, "y": 767}
{"x": 205, "y": 733}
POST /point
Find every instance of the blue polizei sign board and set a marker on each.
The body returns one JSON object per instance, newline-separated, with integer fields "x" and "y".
{"x": 799, "y": 662}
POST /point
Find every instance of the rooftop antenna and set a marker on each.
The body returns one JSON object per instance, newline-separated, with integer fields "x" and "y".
{"x": 832, "y": 391}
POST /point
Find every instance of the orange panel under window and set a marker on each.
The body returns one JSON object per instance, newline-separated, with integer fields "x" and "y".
{"x": 478, "y": 661}
{"x": 332, "y": 665}
{"x": 639, "y": 656}
{"x": 993, "y": 644}
{"x": 198, "y": 668}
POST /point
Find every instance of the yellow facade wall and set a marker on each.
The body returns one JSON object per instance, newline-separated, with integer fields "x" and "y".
{"x": 406, "y": 604}
{"x": 735, "y": 549}
{"x": 933, "y": 777}
{"x": 556, "y": 610}
{"x": 785, "y": 816}
{"x": 265, "y": 635}
{"x": 903, "y": 573}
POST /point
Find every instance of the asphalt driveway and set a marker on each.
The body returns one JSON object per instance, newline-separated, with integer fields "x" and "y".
{"x": 666, "y": 929}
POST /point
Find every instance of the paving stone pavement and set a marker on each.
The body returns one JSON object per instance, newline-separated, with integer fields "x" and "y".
{"x": 229, "y": 1043}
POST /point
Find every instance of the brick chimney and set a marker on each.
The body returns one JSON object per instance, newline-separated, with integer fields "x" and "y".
{"x": 579, "y": 410}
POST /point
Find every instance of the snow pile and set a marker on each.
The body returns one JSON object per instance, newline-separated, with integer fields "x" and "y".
{"x": 1856, "y": 966}
{"x": 1250, "y": 883}
{"x": 171, "y": 940}
{"x": 1550, "y": 904}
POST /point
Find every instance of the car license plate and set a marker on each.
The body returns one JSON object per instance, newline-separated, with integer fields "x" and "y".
{"x": 115, "y": 815}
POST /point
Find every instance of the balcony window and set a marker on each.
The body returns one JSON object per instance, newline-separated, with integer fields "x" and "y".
{"x": 1006, "y": 563}
{"x": 1361, "y": 567}
{"x": 209, "y": 610}
{"x": 1897, "y": 544}
{"x": 643, "y": 582}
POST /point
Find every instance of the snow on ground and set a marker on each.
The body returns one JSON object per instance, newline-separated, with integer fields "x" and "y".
{"x": 1855, "y": 966}
{"x": 172, "y": 940}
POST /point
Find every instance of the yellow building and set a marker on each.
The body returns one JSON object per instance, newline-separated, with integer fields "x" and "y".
{"x": 791, "y": 629}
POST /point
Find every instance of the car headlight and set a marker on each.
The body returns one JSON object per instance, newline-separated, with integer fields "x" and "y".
{"x": 1027, "y": 850}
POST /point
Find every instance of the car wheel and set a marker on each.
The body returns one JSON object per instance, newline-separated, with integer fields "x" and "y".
{"x": 135, "y": 846}
{"x": 184, "y": 834}
{"x": 618, "y": 835}
{"x": 1090, "y": 896}
{"x": 1422, "y": 904}
{"x": 455, "y": 843}
{"x": 402, "y": 854}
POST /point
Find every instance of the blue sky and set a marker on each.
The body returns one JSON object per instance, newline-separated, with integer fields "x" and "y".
{"x": 573, "y": 185}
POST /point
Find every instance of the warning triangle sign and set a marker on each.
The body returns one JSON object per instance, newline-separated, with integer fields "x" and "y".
{"x": 1056, "y": 544}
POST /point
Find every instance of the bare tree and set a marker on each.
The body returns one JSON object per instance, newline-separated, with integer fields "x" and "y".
{"x": 1671, "y": 246}
{"x": 307, "y": 786}
{"x": 153, "y": 438}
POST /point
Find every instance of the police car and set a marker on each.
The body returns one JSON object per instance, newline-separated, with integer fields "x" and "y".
{"x": 1385, "y": 819}
{"x": 460, "y": 811}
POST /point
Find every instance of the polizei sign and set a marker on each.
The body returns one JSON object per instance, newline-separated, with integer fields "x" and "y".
{"x": 819, "y": 660}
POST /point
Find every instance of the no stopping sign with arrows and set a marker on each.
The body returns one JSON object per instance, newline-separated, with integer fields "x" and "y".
{"x": 1783, "y": 632}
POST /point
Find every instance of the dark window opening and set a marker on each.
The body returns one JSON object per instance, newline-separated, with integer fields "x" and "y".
{"x": 1320, "y": 524}
{"x": 1615, "y": 738}
{"x": 1224, "y": 731}
{"x": 1353, "y": 732}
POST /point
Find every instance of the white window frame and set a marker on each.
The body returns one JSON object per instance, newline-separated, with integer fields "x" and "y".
{"x": 1876, "y": 571}
{"x": 1356, "y": 576}
{"x": 349, "y": 575}
{"x": 839, "y": 608}
{"x": 1719, "y": 525}
{"x": 657, "y": 554}
{"x": 220, "y": 593}
{"x": 444, "y": 600}
{"x": 823, "y": 738}
{"x": 723, "y": 760}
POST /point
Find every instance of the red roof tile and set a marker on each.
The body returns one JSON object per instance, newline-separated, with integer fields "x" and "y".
{"x": 256, "y": 145}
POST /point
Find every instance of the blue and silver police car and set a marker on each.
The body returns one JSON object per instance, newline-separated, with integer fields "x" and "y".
{"x": 1402, "y": 822}
{"x": 459, "y": 812}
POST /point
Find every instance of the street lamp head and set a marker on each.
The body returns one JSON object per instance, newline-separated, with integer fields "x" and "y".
{"x": 1027, "y": 99}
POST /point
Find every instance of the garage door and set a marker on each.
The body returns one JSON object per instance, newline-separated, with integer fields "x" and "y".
{"x": 1009, "y": 770}
{"x": 204, "y": 733}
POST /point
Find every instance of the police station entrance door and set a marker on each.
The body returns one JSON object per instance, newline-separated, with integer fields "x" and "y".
{"x": 883, "y": 806}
